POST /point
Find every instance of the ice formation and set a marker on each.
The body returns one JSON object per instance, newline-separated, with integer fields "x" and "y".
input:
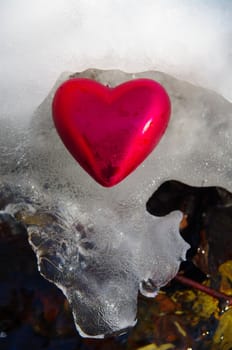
{"x": 100, "y": 245}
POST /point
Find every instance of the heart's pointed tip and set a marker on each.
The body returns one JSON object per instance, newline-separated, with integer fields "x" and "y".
{"x": 107, "y": 183}
{"x": 109, "y": 179}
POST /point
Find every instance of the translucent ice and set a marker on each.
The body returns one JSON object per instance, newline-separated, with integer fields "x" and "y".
{"x": 99, "y": 245}
{"x": 102, "y": 258}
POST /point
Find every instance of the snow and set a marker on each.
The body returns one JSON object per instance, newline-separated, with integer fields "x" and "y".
{"x": 40, "y": 40}
{"x": 100, "y": 246}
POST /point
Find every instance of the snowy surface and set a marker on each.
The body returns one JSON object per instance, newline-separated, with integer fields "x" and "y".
{"x": 100, "y": 244}
{"x": 39, "y": 40}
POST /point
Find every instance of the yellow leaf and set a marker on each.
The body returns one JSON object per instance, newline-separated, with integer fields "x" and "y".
{"x": 226, "y": 277}
{"x": 148, "y": 347}
{"x": 223, "y": 335}
{"x": 205, "y": 305}
{"x": 155, "y": 347}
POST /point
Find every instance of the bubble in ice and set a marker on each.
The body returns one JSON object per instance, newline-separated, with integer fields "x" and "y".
{"x": 99, "y": 245}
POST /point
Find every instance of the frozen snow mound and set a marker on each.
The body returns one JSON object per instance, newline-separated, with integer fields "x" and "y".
{"x": 99, "y": 245}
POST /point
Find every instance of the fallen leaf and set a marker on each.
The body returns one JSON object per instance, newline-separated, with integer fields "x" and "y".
{"x": 223, "y": 335}
{"x": 155, "y": 347}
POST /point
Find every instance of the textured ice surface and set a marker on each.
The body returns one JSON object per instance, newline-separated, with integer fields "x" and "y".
{"x": 102, "y": 258}
{"x": 99, "y": 245}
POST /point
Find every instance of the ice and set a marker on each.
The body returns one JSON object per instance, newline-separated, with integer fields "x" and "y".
{"x": 99, "y": 245}
{"x": 102, "y": 260}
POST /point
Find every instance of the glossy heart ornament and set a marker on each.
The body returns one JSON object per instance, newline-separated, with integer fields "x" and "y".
{"x": 110, "y": 131}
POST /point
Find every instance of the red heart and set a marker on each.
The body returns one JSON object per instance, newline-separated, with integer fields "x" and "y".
{"x": 110, "y": 131}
